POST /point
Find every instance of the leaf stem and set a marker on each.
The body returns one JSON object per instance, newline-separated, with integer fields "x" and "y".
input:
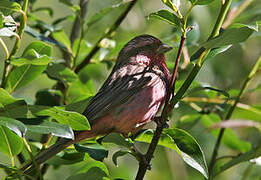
{"x": 113, "y": 27}
{"x": 29, "y": 150}
{"x": 220, "y": 19}
{"x": 17, "y": 42}
{"x": 229, "y": 114}
{"x": 5, "y": 48}
{"x": 21, "y": 28}
{"x": 5, "y": 62}
{"x": 237, "y": 12}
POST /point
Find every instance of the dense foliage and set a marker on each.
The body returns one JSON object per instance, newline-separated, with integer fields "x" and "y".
{"x": 56, "y": 54}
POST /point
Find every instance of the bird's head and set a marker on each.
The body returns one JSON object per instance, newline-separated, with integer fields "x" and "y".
{"x": 144, "y": 49}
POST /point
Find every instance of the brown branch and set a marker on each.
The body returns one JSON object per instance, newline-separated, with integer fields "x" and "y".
{"x": 143, "y": 165}
{"x": 113, "y": 27}
{"x": 77, "y": 23}
{"x": 75, "y": 32}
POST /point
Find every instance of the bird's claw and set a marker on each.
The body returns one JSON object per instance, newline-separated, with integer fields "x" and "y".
{"x": 159, "y": 122}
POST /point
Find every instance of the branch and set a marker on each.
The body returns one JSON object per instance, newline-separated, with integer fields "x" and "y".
{"x": 167, "y": 107}
{"x": 108, "y": 33}
{"x": 75, "y": 31}
{"x": 229, "y": 114}
{"x": 77, "y": 23}
{"x": 143, "y": 165}
{"x": 235, "y": 12}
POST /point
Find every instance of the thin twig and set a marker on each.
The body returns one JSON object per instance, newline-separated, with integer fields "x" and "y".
{"x": 77, "y": 23}
{"x": 235, "y": 12}
{"x": 143, "y": 165}
{"x": 29, "y": 150}
{"x": 229, "y": 114}
{"x": 114, "y": 26}
{"x": 76, "y": 28}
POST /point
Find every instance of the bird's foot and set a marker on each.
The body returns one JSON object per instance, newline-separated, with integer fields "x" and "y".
{"x": 159, "y": 122}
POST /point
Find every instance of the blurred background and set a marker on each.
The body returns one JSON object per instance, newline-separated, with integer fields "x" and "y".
{"x": 225, "y": 71}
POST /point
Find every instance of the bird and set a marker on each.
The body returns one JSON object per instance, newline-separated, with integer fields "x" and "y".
{"x": 130, "y": 97}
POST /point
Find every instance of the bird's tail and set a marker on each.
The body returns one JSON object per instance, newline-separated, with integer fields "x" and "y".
{"x": 60, "y": 145}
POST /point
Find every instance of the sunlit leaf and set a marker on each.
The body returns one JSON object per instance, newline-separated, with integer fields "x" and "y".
{"x": 20, "y": 76}
{"x": 183, "y": 143}
{"x": 62, "y": 37}
{"x": 75, "y": 120}
{"x": 7, "y": 6}
{"x": 10, "y": 143}
{"x": 37, "y": 125}
{"x": 233, "y": 35}
{"x": 14, "y": 125}
{"x": 168, "y": 17}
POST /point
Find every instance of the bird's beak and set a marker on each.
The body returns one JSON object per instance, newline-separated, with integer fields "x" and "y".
{"x": 163, "y": 49}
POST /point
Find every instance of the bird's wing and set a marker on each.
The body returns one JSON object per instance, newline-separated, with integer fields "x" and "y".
{"x": 118, "y": 88}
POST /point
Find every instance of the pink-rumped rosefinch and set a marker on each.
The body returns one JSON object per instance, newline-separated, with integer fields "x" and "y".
{"x": 130, "y": 97}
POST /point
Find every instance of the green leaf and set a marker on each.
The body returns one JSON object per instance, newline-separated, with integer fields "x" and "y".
{"x": 168, "y": 17}
{"x": 83, "y": 51}
{"x": 61, "y": 72}
{"x": 165, "y": 140}
{"x": 10, "y": 143}
{"x": 31, "y": 58}
{"x": 91, "y": 170}
{"x": 188, "y": 121}
{"x": 66, "y": 158}
{"x": 244, "y": 111}
{"x": 45, "y": 127}
{"x": 183, "y": 143}
{"x": 67, "y": 2}
{"x": 99, "y": 15}
{"x": 62, "y": 37}
{"x": 7, "y": 6}
{"x": 73, "y": 119}
{"x": 20, "y": 76}
{"x": 79, "y": 91}
{"x": 119, "y": 154}
{"x": 117, "y": 139}
{"x": 14, "y": 125}
{"x": 201, "y": 2}
{"x": 230, "y": 139}
{"x": 236, "y": 34}
{"x": 170, "y": 4}
{"x": 254, "y": 153}
{"x": 96, "y": 151}
{"x": 190, "y": 149}
{"x": 78, "y": 106}
{"x": 47, "y": 9}
{"x": 9, "y": 105}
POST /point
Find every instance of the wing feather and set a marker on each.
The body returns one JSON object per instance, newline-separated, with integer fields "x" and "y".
{"x": 120, "y": 86}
